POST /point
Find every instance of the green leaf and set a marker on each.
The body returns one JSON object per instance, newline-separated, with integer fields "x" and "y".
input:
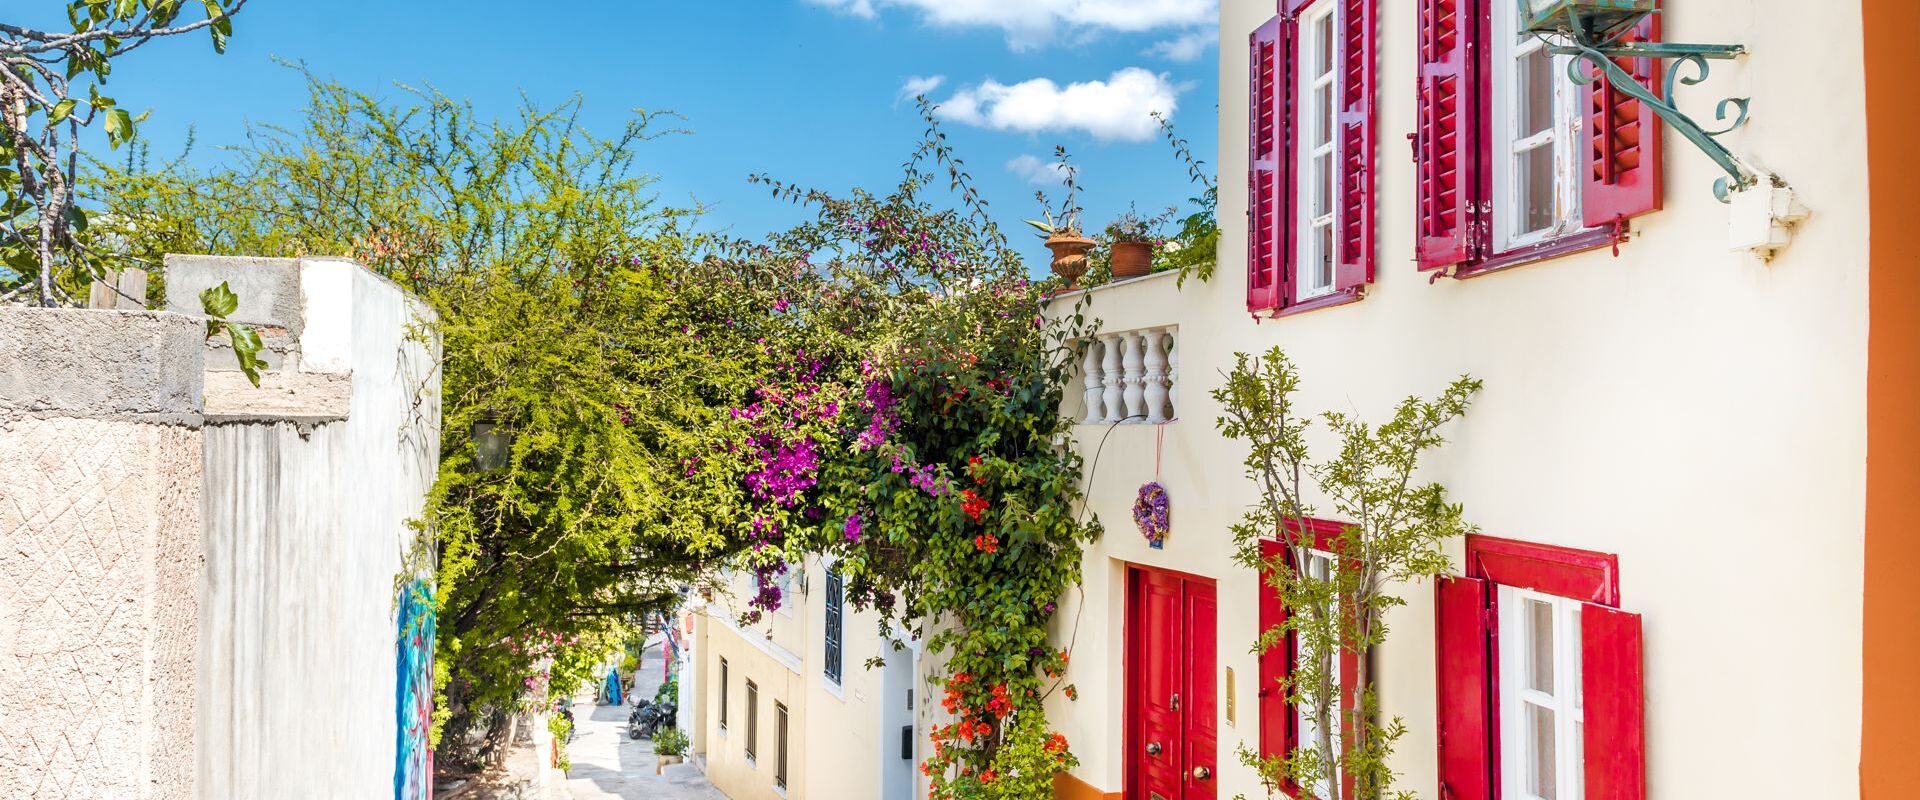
{"x": 219, "y": 301}
{"x": 246, "y": 350}
{"x": 222, "y": 26}
{"x": 119, "y": 127}
{"x": 61, "y": 110}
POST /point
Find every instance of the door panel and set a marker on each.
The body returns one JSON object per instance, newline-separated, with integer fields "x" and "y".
{"x": 1202, "y": 716}
{"x": 1172, "y": 706}
{"x": 1161, "y": 678}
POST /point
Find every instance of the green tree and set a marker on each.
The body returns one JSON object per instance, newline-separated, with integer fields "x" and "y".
{"x": 575, "y": 313}
{"x": 1393, "y": 534}
{"x": 50, "y": 85}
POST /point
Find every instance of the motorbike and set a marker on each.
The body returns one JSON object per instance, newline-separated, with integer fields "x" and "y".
{"x": 648, "y": 718}
{"x": 637, "y": 721}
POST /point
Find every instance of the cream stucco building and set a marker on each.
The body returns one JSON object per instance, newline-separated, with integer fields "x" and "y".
{"x": 1673, "y": 432}
{"x": 1694, "y": 461}
{"x": 788, "y": 707}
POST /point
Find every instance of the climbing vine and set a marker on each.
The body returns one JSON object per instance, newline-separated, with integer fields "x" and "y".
{"x": 911, "y": 430}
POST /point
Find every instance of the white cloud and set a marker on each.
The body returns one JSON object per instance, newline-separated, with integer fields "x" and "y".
{"x": 1189, "y": 46}
{"x": 1031, "y": 23}
{"x": 1038, "y": 171}
{"x": 1120, "y": 107}
{"x": 918, "y": 85}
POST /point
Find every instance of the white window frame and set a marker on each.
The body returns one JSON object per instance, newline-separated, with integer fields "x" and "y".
{"x": 1509, "y": 46}
{"x": 1315, "y": 249}
{"x": 1566, "y": 700}
{"x": 1302, "y": 715}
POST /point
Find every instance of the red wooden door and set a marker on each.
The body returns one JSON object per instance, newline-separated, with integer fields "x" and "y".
{"x": 1172, "y": 709}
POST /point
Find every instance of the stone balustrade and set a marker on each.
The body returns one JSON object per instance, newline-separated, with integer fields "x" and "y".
{"x": 1132, "y": 377}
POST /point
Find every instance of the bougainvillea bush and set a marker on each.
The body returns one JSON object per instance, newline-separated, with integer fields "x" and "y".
{"x": 911, "y": 429}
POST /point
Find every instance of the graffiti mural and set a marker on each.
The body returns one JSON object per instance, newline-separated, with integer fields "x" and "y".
{"x": 413, "y": 695}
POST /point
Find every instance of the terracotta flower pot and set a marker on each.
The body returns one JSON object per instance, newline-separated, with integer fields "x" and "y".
{"x": 1070, "y": 256}
{"x": 1132, "y": 259}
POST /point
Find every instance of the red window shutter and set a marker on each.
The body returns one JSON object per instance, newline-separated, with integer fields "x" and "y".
{"x": 1354, "y": 267}
{"x": 1464, "y": 688}
{"x": 1264, "y": 122}
{"x": 1623, "y": 155}
{"x": 1276, "y": 716}
{"x": 1614, "y": 684}
{"x": 1446, "y": 134}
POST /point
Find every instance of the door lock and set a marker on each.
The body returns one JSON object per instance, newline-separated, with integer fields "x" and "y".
{"x": 1202, "y": 773}
{"x": 1153, "y": 748}
{"x": 1174, "y": 703}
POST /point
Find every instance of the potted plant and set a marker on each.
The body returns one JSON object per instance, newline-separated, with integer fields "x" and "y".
{"x": 1131, "y": 246}
{"x": 1062, "y": 234}
{"x": 669, "y": 747}
{"x": 1069, "y": 247}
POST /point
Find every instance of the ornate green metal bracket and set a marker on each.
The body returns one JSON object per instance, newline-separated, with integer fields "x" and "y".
{"x": 1731, "y": 113}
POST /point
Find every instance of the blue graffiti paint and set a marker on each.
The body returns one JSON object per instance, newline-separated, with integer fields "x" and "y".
{"x": 413, "y": 695}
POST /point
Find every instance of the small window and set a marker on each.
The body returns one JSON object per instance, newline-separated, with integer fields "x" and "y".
{"x": 1541, "y": 711}
{"x": 836, "y": 594}
{"x": 1536, "y": 124}
{"x": 753, "y": 719}
{"x": 723, "y": 695}
{"x": 780, "y": 746}
{"x": 1319, "y": 151}
{"x": 1320, "y": 567}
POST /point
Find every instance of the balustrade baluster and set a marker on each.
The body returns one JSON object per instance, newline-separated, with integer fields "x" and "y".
{"x": 1112, "y": 409}
{"x": 1095, "y": 379}
{"x": 1135, "y": 377}
{"x": 1155, "y": 379}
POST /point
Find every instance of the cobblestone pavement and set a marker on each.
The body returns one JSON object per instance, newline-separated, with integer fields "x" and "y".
{"x": 606, "y": 764}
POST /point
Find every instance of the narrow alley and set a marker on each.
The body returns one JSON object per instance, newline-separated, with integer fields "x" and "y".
{"x": 607, "y": 764}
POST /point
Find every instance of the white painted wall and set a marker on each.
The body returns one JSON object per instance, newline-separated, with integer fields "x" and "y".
{"x": 1694, "y": 412}
{"x": 308, "y": 535}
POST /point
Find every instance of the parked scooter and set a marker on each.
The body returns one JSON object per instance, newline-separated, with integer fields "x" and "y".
{"x": 648, "y": 718}
{"x": 636, "y": 721}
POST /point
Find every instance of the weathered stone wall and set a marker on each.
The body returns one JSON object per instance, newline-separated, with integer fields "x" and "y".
{"x": 312, "y": 481}
{"x": 100, "y": 554}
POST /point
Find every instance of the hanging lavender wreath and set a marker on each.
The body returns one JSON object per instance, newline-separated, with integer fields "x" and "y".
{"x": 1150, "y": 514}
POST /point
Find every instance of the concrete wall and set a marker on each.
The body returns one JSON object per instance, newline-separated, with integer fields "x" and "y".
{"x": 1695, "y": 412}
{"x": 313, "y": 481}
{"x": 100, "y": 552}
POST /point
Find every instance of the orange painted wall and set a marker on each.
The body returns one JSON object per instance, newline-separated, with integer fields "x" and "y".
{"x": 1067, "y": 787}
{"x": 1890, "y": 735}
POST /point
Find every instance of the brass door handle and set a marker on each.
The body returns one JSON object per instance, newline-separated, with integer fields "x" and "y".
{"x": 1153, "y": 748}
{"x": 1202, "y": 773}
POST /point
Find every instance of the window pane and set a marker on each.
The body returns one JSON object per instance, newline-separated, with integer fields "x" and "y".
{"x": 1573, "y": 669}
{"x": 1323, "y": 115}
{"x": 1323, "y": 44}
{"x": 1322, "y": 185}
{"x": 1536, "y": 188}
{"x": 1540, "y": 646}
{"x": 1323, "y": 266}
{"x": 1535, "y": 100}
{"x": 1540, "y": 756}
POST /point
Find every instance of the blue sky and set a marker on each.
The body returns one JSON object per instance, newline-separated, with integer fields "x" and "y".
{"x": 806, "y": 90}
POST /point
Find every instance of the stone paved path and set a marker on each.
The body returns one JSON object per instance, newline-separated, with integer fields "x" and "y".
{"x": 606, "y": 764}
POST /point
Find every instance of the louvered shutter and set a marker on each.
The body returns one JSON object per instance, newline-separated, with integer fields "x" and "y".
{"x": 1264, "y": 122}
{"x": 1354, "y": 267}
{"x": 1622, "y": 175}
{"x": 1447, "y": 132}
{"x": 1614, "y": 689}
{"x": 1276, "y": 718}
{"x": 1464, "y": 689}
